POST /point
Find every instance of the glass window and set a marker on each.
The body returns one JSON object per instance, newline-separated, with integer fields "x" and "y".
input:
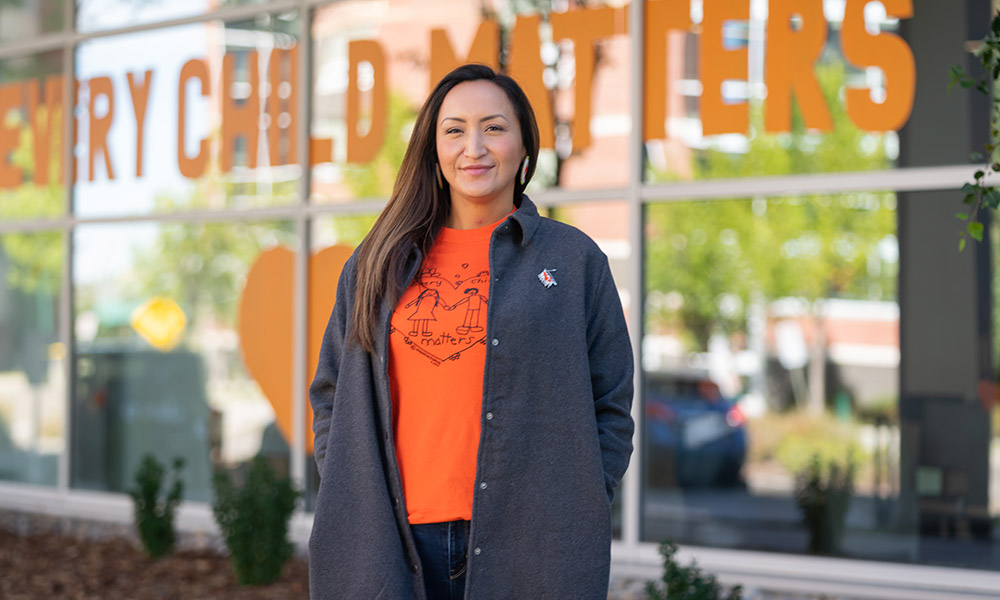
{"x": 183, "y": 349}
{"x": 97, "y": 15}
{"x": 751, "y": 89}
{"x": 31, "y": 171}
{"x": 194, "y": 117}
{"x": 376, "y": 63}
{"x": 21, "y": 20}
{"x": 32, "y": 373}
{"x": 771, "y": 375}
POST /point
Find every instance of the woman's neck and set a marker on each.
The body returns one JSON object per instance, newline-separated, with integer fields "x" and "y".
{"x": 465, "y": 215}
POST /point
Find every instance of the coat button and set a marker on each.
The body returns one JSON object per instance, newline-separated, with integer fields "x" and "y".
{"x": 414, "y": 567}
{"x": 495, "y": 341}
{"x": 477, "y": 551}
{"x": 489, "y": 416}
{"x": 482, "y": 485}
{"x": 395, "y": 501}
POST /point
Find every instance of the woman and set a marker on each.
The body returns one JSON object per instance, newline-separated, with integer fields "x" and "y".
{"x": 459, "y": 463}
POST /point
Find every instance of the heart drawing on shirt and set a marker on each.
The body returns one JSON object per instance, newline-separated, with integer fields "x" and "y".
{"x": 443, "y": 315}
{"x": 266, "y": 325}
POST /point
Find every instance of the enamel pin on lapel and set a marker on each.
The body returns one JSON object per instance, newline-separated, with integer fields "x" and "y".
{"x": 546, "y": 277}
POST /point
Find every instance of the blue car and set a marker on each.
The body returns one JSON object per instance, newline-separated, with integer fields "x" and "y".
{"x": 695, "y": 437}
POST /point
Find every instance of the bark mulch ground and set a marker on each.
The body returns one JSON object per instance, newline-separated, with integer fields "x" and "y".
{"x": 63, "y": 565}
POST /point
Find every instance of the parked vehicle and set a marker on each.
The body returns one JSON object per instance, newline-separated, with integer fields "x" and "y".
{"x": 695, "y": 436}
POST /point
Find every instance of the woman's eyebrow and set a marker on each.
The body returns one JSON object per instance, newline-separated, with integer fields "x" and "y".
{"x": 487, "y": 118}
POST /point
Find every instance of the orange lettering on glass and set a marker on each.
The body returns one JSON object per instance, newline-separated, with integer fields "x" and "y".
{"x": 585, "y": 28}
{"x": 889, "y": 53}
{"x": 189, "y": 166}
{"x": 362, "y": 148}
{"x": 140, "y": 99}
{"x": 526, "y": 68}
{"x": 10, "y": 100}
{"x": 791, "y": 55}
{"x": 719, "y": 64}
{"x": 485, "y": 49}
{"x": 99, "y": 126}
{"x": 240, "y": 116}
{"x": 44, "y": 124}
{"x": 661, "y": 16}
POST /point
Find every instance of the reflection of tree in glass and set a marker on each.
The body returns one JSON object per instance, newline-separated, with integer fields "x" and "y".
{"x": 202, "y": 266}
{"x": 814, "y": 246}
{"x": 34, "y": 259}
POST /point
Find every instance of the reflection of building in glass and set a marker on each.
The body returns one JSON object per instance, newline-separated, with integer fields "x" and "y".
{"x": 791, "y": 283}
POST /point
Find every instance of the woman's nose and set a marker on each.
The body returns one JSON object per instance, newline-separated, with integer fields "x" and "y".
{"x": 474, "y": 147}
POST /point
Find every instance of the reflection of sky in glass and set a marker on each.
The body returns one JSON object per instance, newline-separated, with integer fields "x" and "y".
{"x": 163, "y": 52}
{"x": 94, "y": 15}
{"x": 104, "y": 252}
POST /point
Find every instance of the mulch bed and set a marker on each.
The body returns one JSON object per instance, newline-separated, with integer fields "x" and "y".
{"x": 63, "y": 566}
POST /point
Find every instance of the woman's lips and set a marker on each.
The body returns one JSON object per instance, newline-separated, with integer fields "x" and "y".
{"x": 476, "y": 169}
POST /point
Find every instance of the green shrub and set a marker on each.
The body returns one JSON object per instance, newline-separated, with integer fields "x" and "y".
{"x": 687, "y": 583}
{"x": 154, "y": 518}
{"x": 823, "y": 492}
{"x": 254, "y": 522}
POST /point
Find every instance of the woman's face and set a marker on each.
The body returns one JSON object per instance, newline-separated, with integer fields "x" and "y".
{"x": 479, "y": 143}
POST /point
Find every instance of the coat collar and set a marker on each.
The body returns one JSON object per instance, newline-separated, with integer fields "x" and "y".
{"x": 526, "y": 216}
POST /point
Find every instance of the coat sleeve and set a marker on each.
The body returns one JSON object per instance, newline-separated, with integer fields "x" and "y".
{"x": 611, "y": 370}
{"x": 324, "y": 384}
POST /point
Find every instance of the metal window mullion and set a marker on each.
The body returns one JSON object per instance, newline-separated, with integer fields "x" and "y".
{"x": 946, "y": 177}
{"x": 43, "y": 43}
{"x": 302, "y": 222}
{"x": 67, "y": 229}
{"x": 632, "y": 491}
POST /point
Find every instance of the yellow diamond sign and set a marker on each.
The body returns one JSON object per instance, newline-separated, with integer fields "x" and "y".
{"x": 160, "y": 322}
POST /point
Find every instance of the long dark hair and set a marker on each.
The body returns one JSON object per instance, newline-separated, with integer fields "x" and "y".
{"x": 418, "y": 207}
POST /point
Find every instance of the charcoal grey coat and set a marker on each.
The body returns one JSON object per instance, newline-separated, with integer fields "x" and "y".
{"x": 555, "y": 440}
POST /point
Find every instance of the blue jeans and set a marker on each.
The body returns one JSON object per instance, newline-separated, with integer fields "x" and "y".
{"x": 443, "y": 550}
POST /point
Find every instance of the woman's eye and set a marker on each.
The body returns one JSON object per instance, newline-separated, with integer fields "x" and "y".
{"x": 453, "y": 130}
{"x": 494, "y": 128}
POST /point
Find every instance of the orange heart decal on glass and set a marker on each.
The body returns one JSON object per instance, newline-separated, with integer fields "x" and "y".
{"x": 266, "y": 320}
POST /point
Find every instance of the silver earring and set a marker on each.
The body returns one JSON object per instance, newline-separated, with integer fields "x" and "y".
{"x": 524, "y": 169}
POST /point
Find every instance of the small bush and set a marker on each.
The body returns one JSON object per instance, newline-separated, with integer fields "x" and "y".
{"x": 687, "y": 583}
{"x": 823, "y": 493}
{"x": 254, "y": 522}
{"x": 154, "y": 518}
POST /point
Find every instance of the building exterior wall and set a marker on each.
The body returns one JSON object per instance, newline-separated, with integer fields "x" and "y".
{"x": 774, "y": 184}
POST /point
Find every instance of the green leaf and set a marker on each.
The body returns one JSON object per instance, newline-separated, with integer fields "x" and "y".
{"x": 979, "y": 175}
{"x": 969, "y": 199}
{"x": 992, "y": 197}
{"x": 961, "y": 244}
{"x": 976, "y": 230}
{"x": 969, "y": 188}
{"x": 976, "y": 156}
{"x": 963, "y": 216}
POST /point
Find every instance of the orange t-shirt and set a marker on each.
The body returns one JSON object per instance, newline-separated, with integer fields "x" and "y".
{"x": 437, "y": 354}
